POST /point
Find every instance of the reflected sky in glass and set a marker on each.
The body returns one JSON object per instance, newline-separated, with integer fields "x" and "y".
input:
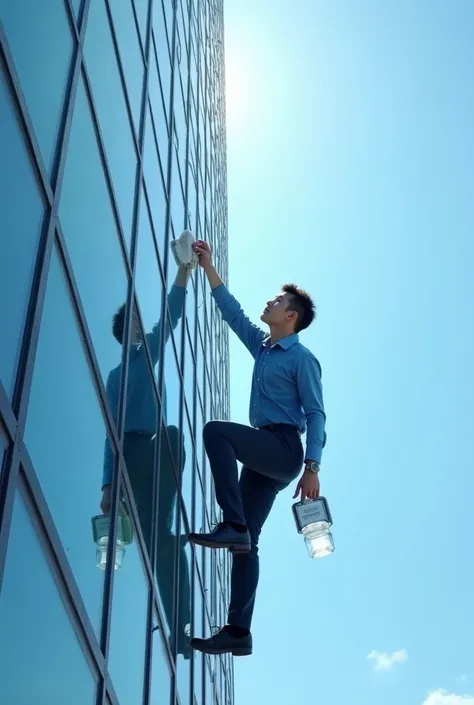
{"x": 29, "y": 26}
{"x": 112, "y": 111}
{"x": 65, "y": 438}
{"x": 91, "y": 235}
{"x": 21, "y": 216}
{"x": 39, "y": 661}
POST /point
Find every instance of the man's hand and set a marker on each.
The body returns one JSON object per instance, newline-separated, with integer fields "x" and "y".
{"x": 308, "y": 485}
{"x": 106, "y": 499}
{"x": 204, "y": 253}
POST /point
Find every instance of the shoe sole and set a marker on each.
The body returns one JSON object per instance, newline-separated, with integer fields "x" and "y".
{"x": 217, "y": 652}
{"x": 235, "y": 548}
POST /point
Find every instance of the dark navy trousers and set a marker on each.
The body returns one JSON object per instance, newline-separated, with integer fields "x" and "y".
{"x": 271, "y": 459}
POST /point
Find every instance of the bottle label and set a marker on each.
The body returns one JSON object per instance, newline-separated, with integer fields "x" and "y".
{"x": 310, "y": 513}
{"x": 101, "y": 528}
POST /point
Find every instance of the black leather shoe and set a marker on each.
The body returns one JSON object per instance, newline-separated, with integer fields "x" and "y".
{"x": 223, "y": 643}
{"x": 223, "y": 536}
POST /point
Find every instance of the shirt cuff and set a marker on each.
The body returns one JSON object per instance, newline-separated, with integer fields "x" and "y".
{"x": 313, "y": 452}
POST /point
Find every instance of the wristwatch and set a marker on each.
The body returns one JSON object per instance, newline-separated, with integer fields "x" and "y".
{"x": 313, "y": 466}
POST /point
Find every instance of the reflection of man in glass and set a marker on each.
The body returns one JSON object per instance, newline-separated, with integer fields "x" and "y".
{"x": 139, "y": 451}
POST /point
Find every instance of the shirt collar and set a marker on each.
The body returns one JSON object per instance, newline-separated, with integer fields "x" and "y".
{"x": 284, "y": 343}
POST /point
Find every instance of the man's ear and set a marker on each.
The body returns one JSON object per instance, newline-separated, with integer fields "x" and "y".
{"x": 291, "y": 316}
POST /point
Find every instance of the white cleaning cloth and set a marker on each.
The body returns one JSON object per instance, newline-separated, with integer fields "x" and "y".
{"x": 182, "y": 249}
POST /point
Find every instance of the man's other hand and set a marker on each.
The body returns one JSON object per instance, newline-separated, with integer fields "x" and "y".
{"x": 106, "y": 499}
{"x": 308, "y": 485}
{"x": 204, "y": 253}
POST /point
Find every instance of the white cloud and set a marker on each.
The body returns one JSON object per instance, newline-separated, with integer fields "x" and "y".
{"x": 442, "y": 697}
{"x": 384, "y": 662}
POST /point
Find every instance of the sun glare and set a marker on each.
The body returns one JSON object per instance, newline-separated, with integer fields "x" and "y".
{"x": 238, "y": 88}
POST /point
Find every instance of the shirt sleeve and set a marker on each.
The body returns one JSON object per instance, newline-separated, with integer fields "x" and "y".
{"x": 176, "y": 299}
{"x": 311, "y": 394}
{"x": 112, "y": 396}
{"x": 251, "y": 335}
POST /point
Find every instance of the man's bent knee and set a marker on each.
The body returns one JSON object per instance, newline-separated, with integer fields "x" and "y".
{"x": 212, "y": 429}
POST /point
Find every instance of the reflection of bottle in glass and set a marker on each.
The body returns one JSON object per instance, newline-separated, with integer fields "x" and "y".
{"x": 313, "y": 520}
{"x": 100, "y": 531}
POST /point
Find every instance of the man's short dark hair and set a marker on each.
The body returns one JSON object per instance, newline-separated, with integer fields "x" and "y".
{"x": 302, "y": 303}
{"x": 118, "y": 324}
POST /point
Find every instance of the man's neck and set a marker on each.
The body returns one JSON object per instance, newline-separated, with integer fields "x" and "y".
{"x": 277, "y": 334}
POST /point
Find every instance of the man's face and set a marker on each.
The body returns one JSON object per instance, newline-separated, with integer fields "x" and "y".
{"x": 276, "y": 312}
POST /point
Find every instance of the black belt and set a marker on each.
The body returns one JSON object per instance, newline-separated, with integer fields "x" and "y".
{"x": 280, "y": 427}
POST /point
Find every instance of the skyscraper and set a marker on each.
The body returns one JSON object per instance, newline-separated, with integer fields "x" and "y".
{"x": 112, "y": 141}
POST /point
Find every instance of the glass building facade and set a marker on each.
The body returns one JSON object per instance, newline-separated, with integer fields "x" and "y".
{"x": 112, "y": 141}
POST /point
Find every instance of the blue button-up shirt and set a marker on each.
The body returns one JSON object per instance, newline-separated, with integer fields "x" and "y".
{"x": 141, "y": 411}
{"x": 286, "y": 382}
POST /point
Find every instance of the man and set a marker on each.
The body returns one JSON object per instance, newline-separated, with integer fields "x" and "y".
{"x": 140, "y": 442}
{"x": 286, "y": 400}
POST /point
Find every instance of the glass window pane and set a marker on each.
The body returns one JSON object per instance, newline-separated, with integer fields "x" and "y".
{"x": 128, "y": 628}
{"x": 141, "y": 7}
{"x": 168, "y": 8}
{"x": 160, "y": 672}
{"x": 177, "y": 277}
{"x": 40, "y": 656}
{"x": 172, "y": 386}
{"x": 198, "y": 631}
{"x": 21, "y": 217}
{"x": 200, "y": 366}
{"x": 192, "y": 194}
{"x": 130, "y": 54}
{"x": 168, "y": 486}
{"x": 183, "y": 663}
{"x": 187, "y": 476}
{"x": 65, "y": 437}
{"x": 167, "y": 550}
{"x": 77, "y": 6}
{"x": 91, "y": 236}
{"x": 178, "y": 214}
{"x": 201, "y": 304}
{"x": 209, "y": 681}
{"x": 112, "y": 111}
{"x": 200, "y": 524}
{"x": 183, "y": 27}
{"x": 199, "y": 498}
{"x": 154, "y": 185}
{"x": 180, "y": 118}
{"x": 199, "y": 431}
{"x": 159, "y": 114}
{"x": 189, "y": 370}
{"x": 161, "y": 51}
{"x": 148, "y": 280}
{"x": 42, "y": 65}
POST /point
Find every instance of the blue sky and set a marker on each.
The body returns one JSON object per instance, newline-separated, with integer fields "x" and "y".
{"x": 350, "y": 152}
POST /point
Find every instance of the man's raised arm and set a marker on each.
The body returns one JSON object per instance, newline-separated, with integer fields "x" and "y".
{"x": 176, "y": 299}
{"x": 251, "y": 335}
